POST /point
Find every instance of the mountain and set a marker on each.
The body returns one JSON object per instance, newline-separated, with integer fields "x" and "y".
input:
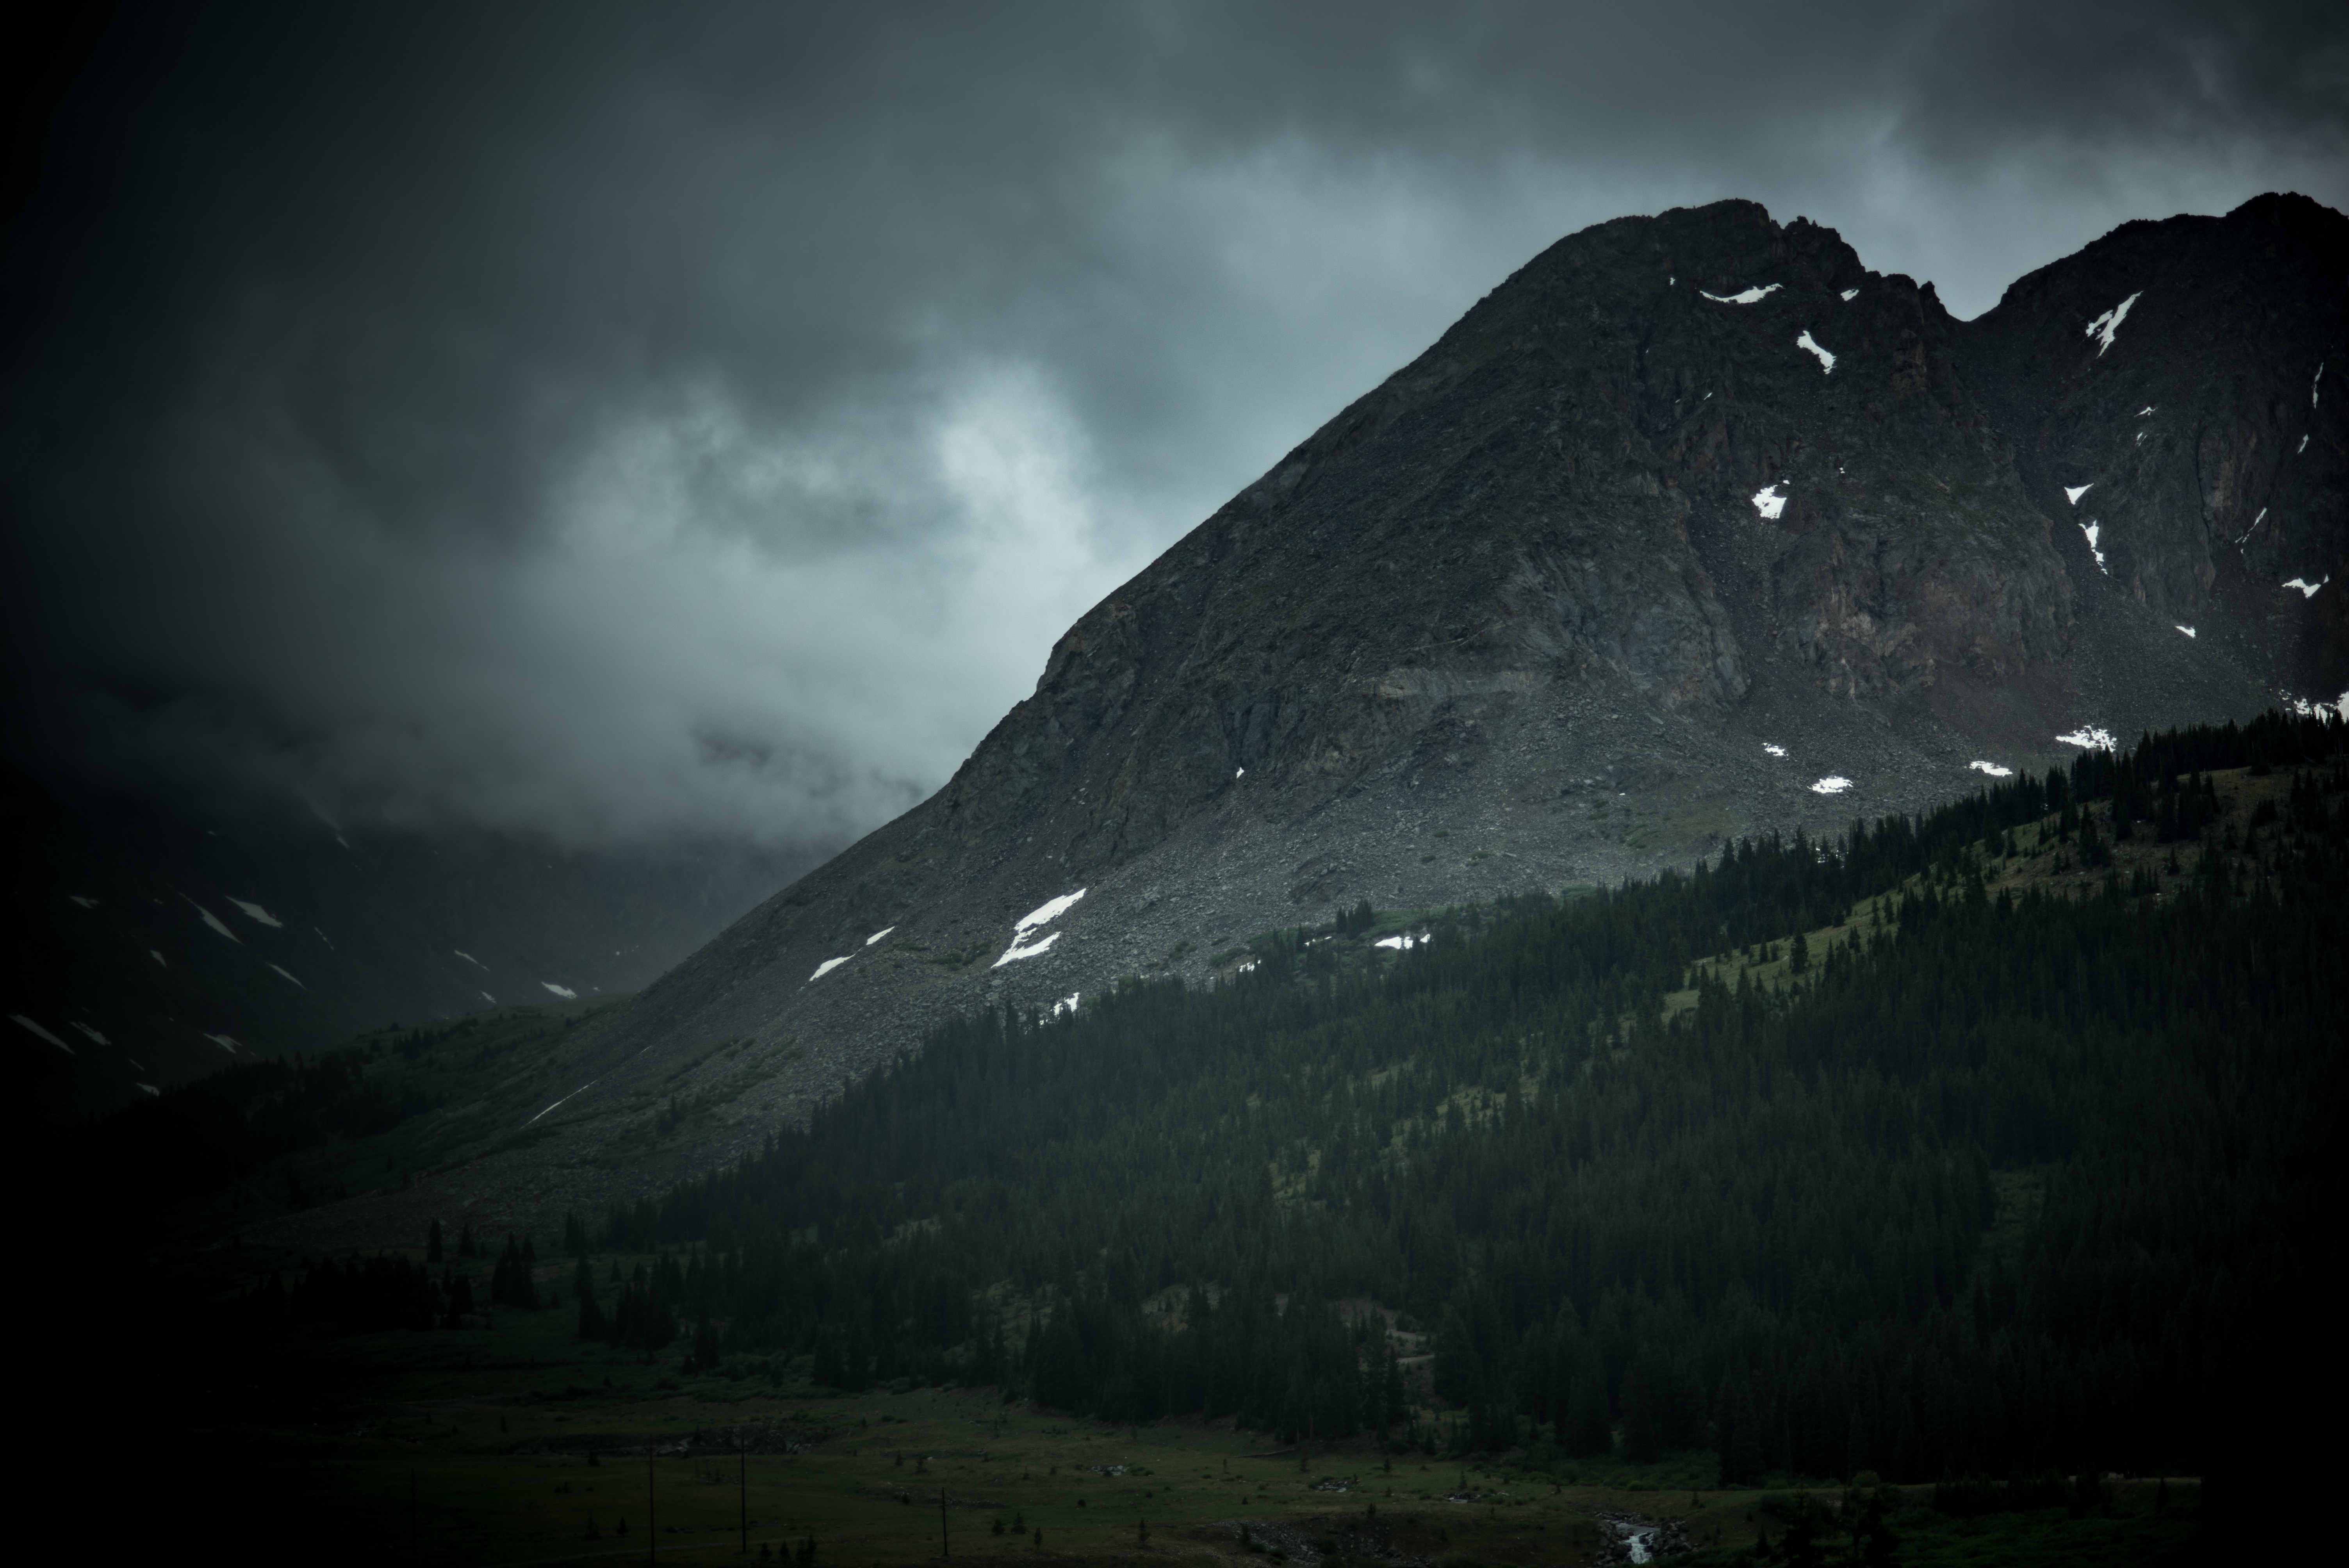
{"x": 148, "y": 946}
{"x": 1694, "y": 527}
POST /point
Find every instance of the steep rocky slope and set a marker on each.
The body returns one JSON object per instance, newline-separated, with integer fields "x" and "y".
{"x": 146, "y": 946}
{"x": 1694, "y": 527}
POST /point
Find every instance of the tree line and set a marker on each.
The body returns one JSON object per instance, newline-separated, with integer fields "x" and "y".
{"x": 2001, "y": 1184}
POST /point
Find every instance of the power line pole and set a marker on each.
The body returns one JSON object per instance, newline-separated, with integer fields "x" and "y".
{"x": 743, "y": 1486}
{"x": 946, "y": 1548}
{"x": 652, "y": 1524}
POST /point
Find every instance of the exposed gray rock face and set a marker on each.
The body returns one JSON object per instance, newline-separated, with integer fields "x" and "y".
{"x": 1686, "y": 521}
{"x": 2200, "y": 424}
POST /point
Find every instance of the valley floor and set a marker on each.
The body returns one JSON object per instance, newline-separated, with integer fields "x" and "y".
{"x": 520, "y": 1443}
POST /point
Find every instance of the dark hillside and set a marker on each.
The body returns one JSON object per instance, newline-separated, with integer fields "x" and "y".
{"x": 1984, "y": 1142}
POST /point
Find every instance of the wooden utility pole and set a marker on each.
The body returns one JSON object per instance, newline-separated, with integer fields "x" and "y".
{"x": 945, "y": 1547}
{"x": 652, "y": 1524}
{"x": 743, "y": 1486}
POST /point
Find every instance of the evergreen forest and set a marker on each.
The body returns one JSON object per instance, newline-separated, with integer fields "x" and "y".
{"x": 1984, "y": 1142}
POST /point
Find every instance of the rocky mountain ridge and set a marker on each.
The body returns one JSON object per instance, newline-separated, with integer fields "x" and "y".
{"x": 148, "y": 946}
{"x": 1693, "y": 528}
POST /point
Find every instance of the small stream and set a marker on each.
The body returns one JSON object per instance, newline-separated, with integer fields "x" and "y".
{"x": 1641, "y": 1540}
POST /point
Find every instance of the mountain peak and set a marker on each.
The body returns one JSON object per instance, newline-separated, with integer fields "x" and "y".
{"x": 1694, "y": 527}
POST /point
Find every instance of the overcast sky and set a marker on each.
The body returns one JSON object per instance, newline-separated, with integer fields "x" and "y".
{"x": 628, "y": 421}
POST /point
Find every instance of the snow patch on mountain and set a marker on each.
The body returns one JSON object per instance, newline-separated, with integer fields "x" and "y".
{"x": 2092, "y": 528}
{"x": 1015, "y": 953}
{"x": 43, "y": 1032}
{"x": 2103, "y": 328}
{"x": 1045, "y": 913}
{"x": 213, "y": 920}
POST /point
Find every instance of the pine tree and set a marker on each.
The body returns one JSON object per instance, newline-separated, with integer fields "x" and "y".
{"x": 592, "y": 1324}
{"x": 432, "y": 1244}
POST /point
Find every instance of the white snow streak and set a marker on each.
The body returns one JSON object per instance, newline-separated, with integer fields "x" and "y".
{"x": 2091, "y": 738}
{"x": 2092, "y": 528}
{"x": 2184, "y": 628}
{"x": 1769, "y": 502}
{"x": 879, "y": 934}
{"x": 2104, "y": 325}
{"x": 1849, "y": 295}
{"x": 566, "y": 992}
{"x": 93, "y": 1034}
{"x": 1067, "y": 1004}
{"x": 1045, "y": 913}
{"x": 152, "y": 1089}
{"x": 2141, "y": 413}
{"x": 1832, "y": 784}
{"x": 1748, "y": 296}
{"x": 157, "y": 955}
{"x": 466, "y": 956}
{"x": 1774, "y": 748}
{"x": 1015, "y": 953}
{"x": 259, "y": 915}
{"x": 85, "y": 902}
{"x": 2302, "y": 447}
{"x": 826, "y": 968}
{"x": 2307, "y": 589}
{"x": 1826, "y": 360}
{"x": 2317, "y": 381}
{"x": 492, "y": 1001}
{"x": 298, "y": 985}
{"x": 212, "y": 920}
{"x": 1992, "y": 768}
{"x": 2074, "y": 492}
{"x": 43, "y": 1032}
{"x": 575, "y": 1094}
{"x": 225, "y": 1042}
{"x": 1406, "y": 941}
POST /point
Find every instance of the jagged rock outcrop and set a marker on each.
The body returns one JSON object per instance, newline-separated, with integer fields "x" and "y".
{"x": 1694, "y": 527}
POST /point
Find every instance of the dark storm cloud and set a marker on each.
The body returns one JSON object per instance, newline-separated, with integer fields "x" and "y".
{"x": 632, "y": 420}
